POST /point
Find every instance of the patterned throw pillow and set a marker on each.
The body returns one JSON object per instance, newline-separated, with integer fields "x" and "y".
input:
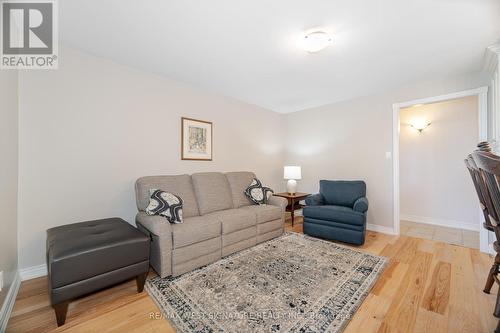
{"x": 165, "y": 204}
{"x": 257, "y": 193}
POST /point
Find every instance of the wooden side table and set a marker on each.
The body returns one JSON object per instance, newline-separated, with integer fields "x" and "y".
{"x": 293, "y": 201}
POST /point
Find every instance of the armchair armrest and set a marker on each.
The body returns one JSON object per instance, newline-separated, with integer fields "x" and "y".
{"x": 361, "y": 205}
{"x": 314, "y": 200}
{"x": 157, "y": 225}
{"x": 278, "y": 201}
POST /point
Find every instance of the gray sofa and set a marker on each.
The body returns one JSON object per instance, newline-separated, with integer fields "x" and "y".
{"x": 218, "y": 220}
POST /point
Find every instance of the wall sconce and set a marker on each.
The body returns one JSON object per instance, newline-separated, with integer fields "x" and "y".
{"x": 420, "y": 124}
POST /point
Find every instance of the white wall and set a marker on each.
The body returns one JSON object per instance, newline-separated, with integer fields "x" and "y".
{"x": 8, "y": 177}
{"x": 89, "y": 129}
{"x": 435, "y": 186}
{"x": 349, "y": 140}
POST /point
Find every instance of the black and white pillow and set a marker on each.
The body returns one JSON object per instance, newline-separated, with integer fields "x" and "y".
{"x": 257, "y": 193}
{"x": 165, "y": 204}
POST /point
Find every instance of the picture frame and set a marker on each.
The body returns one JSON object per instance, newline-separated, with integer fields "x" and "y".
{"x": 196, "y": 139}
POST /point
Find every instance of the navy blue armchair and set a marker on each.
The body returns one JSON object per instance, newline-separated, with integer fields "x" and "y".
{"x": 337, "y": 212}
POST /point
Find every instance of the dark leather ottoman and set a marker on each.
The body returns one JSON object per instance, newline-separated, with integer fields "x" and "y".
{"x": 88, "y": 256}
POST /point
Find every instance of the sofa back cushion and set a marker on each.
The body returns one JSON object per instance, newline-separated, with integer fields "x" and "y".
{"x": 180, "y": 185}
{"x": 238, "y": 182}
{"x": 342, "y": 192}
{"x": 212, "y": 192}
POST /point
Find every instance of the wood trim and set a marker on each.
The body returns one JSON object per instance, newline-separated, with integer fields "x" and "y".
{"x": 211, "y": 140}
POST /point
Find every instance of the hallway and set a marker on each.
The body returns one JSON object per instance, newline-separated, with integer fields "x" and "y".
{"x": 447, "y": 235}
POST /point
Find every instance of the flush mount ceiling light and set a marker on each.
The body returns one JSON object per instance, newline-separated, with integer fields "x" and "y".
{"x": 315, "y": 41}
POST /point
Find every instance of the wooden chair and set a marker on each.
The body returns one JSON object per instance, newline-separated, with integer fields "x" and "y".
{"x": 486, "y": 171}
{"x": 482, "y": 193}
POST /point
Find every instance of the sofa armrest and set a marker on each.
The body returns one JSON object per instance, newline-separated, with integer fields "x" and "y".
{"x": 157, "y": 225}
{"x": 361, "y": 205}
{"x": 278, "y": 201}
{"x": 314, "y": 200}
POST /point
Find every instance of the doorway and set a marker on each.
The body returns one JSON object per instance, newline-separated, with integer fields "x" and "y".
{"x": 420, "y": 199}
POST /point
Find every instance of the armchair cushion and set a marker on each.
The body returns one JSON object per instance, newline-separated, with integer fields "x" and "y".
{"x": 361, "y": 205}
{"x": 342, "y": 193}
{"x": 338, "y": 214}
{"x": 314, "y": 200}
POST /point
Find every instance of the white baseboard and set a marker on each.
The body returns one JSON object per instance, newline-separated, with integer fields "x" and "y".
{"x": 380, "y": 228}
{"x": 9, "y": 301}
{"x": 32, "y": 272}
{"x": 440, "y": 222}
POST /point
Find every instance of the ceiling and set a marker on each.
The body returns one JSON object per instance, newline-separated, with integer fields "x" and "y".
{"x": 247, "y": 49}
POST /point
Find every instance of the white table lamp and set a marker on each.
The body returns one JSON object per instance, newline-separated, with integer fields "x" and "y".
{"x": 292, "y": 173}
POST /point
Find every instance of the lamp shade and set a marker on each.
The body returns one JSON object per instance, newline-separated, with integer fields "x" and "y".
{"x": 292, "y": 172}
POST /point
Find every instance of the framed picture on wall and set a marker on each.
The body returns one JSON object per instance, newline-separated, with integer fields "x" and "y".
{"x": 196, "y": 139}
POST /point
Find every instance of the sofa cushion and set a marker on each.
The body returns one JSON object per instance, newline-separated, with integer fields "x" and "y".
{"x": 239, "y": 236}
{"x": 234, "y": 219}
{"x": 195, "y": 229}
{"x": 238, "y": 182}
{"x": 193, "y": 251}
{"x": 212, "y": 192}
{"x": 79, "y": 251}
{"x": 265, "y": 213}
{"x": 334, "y": 213}
{"x": 340, "y": 192}
{"x": 266, "y": 227}
{"x": 180, "y": 185}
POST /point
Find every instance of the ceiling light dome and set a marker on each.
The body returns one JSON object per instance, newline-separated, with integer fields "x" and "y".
{"x": 315, "y": 41}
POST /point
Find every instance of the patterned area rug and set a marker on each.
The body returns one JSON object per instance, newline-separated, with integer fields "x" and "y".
{"x": 294, "y": 283}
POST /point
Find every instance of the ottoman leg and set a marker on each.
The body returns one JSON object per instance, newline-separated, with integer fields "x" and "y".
{"x": 61, "y": 309}
{"x": 140, "y": 281}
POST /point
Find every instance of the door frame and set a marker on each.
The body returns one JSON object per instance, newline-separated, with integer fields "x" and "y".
{"x": 482, "y": 94}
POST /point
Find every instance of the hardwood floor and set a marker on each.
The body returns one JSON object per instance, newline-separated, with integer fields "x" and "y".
{"x": 428, "y": 286}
